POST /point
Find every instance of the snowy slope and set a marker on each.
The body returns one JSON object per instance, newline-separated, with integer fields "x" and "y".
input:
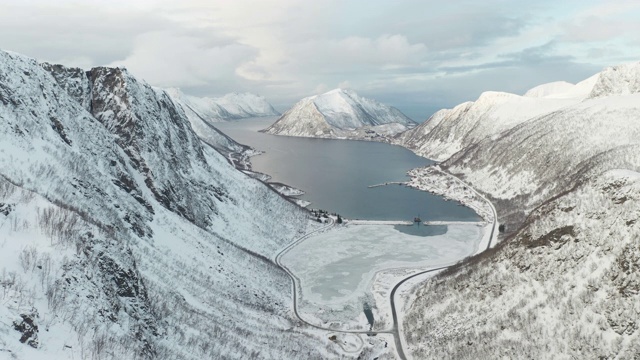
{"x": 450, "y": 130}
{"x": 204, "y": 112}
{"x": 231, "y": 106}
{"x": 563, "y": 173}
{"x": 123, "y": 235}
{"x": 244, "y": 105}
{"x": 551, "y": 153}
{"x": 550, "y": 89}
{"x": 341, "y": 114}
{"x": 617, "y": 80}
{"x": 567, "y": 286}
{"x": 529, "y": 148}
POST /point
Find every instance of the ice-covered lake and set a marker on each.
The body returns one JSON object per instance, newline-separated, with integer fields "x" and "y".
{"x": 336, "y": 268}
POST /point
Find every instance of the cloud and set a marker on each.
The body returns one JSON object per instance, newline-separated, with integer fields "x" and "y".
{"x": 535, "y": 55}
{"x": 186, "y": 60}
{"x": 344, "y": 85}
{"x": 80, "y": 34}
{"x": 597, "y": 29}
{"x": 414, "y": 54}
{"x": 354, "y": 54}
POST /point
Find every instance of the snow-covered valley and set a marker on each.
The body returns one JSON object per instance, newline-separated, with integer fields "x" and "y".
{"x": 349, "y": 261}
{"x": 127, "y": 231}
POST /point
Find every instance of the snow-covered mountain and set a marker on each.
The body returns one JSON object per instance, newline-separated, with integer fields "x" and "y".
{"x": 204, "y": 112}
{"x": 566, "y": 286}
{"x": 450, "y": 130}
{"x": 525, "y": 149}
{"x": 341, "y": 114}
{"x": 123, "y": 235}
{"x": 562, "y": 166}
{"x": 231, "y": 106}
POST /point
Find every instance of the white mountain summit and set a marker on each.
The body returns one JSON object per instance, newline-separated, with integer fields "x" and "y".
{"x": 341, "y": 113}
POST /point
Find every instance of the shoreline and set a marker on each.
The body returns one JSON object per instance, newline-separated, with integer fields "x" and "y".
{"x": 393, "y": 288}
{"x": 436, "y": 181}
{"x": 401, "y": 281}
{"x": 382, "y": 280}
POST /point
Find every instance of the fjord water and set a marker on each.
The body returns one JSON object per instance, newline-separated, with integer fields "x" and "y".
{"x": 335, "y": 174}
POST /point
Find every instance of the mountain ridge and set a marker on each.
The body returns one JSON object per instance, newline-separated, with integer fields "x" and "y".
{"x": 231, "y": 106}
{"x": 562, "y": 167}
{"x": 203, "y": 113}
{"x": 450, "y": 130}
{"x": 127, "y": 236}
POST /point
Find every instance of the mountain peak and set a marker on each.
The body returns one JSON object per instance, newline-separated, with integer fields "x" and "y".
{"x": 492, "y": 97}
{"x": 549, "y": 89}
{"x": 340, "y": 91}
{"x": 617, "y": 80}
{"x": 340, "y": 113}
{"x": 336, "y": 91}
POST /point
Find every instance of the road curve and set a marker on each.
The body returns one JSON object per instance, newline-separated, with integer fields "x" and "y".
{"x": 493, "y": 209}
{"x": 294, "y": 281}
{"x": 394, "y": 313}
{"x": 395, "y": 331}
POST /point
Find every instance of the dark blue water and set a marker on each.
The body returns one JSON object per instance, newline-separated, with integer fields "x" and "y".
{"x": 422, "y": 229}
{"x": 335, "y": 174}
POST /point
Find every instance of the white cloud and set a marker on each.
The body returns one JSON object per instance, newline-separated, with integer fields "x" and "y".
{"x": 172, "y": 60}
{"x": 287, "y": 49}
{"x": 325, "y": 57}
{"x": 344, "y": 85}
{"x": 598, "y": 29}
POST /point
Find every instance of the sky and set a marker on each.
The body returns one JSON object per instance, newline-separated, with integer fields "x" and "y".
{"x": 416, "y": 55}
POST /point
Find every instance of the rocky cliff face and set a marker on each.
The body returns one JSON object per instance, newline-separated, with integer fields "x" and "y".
{"x": 341, "y": 114}
{"x": 124, "y": 235}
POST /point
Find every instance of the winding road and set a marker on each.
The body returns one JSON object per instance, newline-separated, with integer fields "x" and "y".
{"x": 395, "y": 331}
{"x": 394, "y": 313}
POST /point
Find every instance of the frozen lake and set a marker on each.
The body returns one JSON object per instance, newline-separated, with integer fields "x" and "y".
{"x": 336, "y": 268}
{"x": 335, "y": 174}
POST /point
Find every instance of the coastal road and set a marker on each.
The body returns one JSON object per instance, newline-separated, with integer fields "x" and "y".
{"x": 395, "y": 331}
{"x": 493, "y": 209}
{"x": 394, "y": 312}
{"x": 295, "y": 281}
